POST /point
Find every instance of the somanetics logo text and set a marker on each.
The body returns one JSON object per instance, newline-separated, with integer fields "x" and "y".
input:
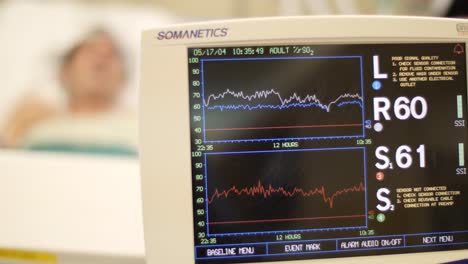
{"x": 191, "y": 34}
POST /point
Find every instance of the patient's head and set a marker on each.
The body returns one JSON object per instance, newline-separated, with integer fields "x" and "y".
{"x": 92, "y": 74}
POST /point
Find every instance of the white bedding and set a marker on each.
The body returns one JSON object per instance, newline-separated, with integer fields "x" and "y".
{"x": 66, "y": 202}
{"x": 71, "y": 203}
{"x": 111, "y": 134}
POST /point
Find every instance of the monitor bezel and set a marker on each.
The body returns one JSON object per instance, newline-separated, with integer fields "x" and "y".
{"x": 165, "y": 149}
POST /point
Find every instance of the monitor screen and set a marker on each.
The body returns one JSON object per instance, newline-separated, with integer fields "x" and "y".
{"x": 312, "y": 151}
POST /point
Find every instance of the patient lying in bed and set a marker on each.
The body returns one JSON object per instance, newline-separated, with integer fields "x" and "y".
{"x": 92, "y": 75}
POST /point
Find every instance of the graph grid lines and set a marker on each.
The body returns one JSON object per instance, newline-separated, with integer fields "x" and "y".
{"x": 293, "y": 101}
{"x": 262, "y": 190}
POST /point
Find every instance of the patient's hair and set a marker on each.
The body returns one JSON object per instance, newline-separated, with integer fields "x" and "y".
{"x": 69, "y": 55}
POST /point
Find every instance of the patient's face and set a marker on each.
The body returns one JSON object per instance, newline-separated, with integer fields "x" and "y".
{"x": 95, "y": 71}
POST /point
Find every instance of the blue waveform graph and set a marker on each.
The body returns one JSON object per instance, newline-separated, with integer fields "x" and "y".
{"x": 308, "y": 101}
{"x": 294, "y": 101}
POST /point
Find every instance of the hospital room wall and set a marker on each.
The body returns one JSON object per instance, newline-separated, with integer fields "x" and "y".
{"x": 201, "y": 9}
{"x": 206, "y": 9}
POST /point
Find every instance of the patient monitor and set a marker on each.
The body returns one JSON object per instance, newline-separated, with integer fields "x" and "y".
{"x": 292, "y": 139}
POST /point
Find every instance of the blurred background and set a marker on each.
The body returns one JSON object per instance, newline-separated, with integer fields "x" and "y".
{"x": 68, "y": 111}
{"x": 69, "y": 69}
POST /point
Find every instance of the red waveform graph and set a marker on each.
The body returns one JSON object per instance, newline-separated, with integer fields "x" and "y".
{"x": 261, "y": 190}
{"x": 269, "y": 191}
